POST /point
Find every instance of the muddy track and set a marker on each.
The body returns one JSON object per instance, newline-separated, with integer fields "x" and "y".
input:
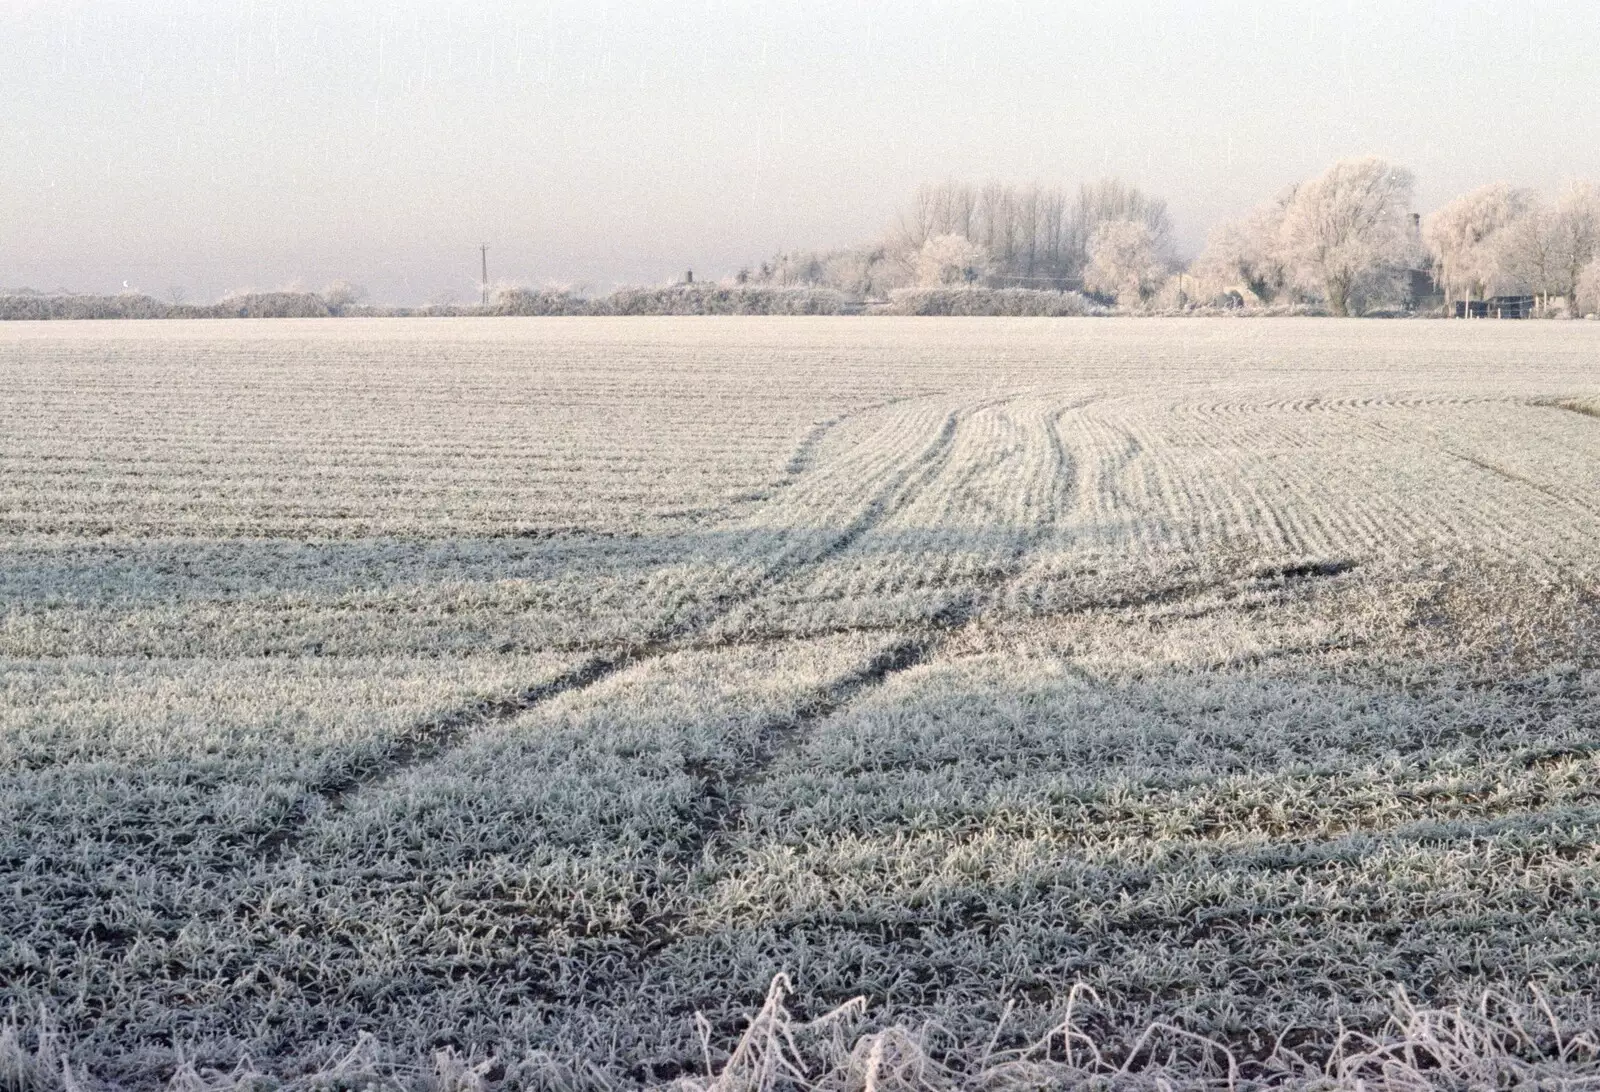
{"x": 438, "y": 735}
{"x": 925, "y": 639}
{"x": 891, "y": 498}
{"x": 952, "y": 618}
{"x": 888, "y": 501}
{"x": 724, "y": 789}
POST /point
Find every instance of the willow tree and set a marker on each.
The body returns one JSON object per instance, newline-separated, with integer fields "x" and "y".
{"x": 1469, "y": 239}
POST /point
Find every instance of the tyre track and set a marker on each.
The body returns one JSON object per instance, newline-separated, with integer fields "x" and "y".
{"x": 801, "y": 460}
{"x": 1461, "y": 510}
{"x": 718, "y": 811}
{"x": 437, "y": 735}
{"x": 1563, "y": 499}
{"x": 720, "y": 807}
{"x": 1058, "y": 479}
{"x": 431, "y": 738}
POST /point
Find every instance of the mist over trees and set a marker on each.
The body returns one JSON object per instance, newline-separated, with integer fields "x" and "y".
{"x": 1247, "y": 253}
{"x": 951, "y": 259}
{"x": 1589, "y": 289}
{"x": 1346, "y": 233}
{"x": 1034, "y": 237}
{"x": 1572, "y": 233}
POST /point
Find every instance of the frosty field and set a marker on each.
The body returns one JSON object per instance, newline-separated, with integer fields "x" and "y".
{"x": 511, "y": 691}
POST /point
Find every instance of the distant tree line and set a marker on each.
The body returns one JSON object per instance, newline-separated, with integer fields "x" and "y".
{"x": 1348, "y": 239}
{"x": 1499, "y": 240}
{"x": 25, "y": 304}
{"x": 339, "y": 298}
{"x": 994, "y": 235}
{"x": 1345, "y": 243}
{"x": 502, "y": 300}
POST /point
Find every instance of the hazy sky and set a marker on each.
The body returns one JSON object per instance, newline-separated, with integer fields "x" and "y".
{"x": 211, "y": 145}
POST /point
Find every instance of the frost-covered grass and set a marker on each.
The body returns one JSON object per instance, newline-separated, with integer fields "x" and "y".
{"x": 465, "y": 702}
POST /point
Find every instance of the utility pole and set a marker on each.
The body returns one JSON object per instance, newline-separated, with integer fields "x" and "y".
{"x": 483, "y": 285}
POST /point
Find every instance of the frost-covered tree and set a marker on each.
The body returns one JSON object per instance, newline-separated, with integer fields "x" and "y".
{"x": 1528, "y": 251}
{"x": 792, "y": 268}
{"x": 1247, "y": 252}
{"x": 342, "y": 295}
{"x": 1574, "y": 239}
{"x": 861, "y": 272}
{"x": 1022, "y": 229}
{"x": 1547, "y": 250}
{"x": 1589, "y": 290}
{"x": 1035, "y": 236}
{"x": 865, "y": 271}
{"x": 945, "y": 208}
{"x": 1346, "y": 233}
{"x": 1111, "y": 199}
{"x": 950, "y": 259}
{"x": 1470, "y": 239}
{"x": 1125, "y": 261}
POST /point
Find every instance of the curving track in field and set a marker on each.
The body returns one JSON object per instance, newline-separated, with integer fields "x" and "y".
{"x": 941, "y": 506}
{"x": 835, "y": 512}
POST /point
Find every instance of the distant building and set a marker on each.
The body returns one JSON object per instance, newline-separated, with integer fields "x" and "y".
{"x": 1423, "y": 292}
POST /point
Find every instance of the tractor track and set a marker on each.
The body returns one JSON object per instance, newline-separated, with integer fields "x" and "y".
{"x": 434, "y": 737}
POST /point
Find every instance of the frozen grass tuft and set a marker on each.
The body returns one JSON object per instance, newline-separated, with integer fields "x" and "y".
{"x": 1513, "y": 1043}
{"x": 1501, "y": 1043}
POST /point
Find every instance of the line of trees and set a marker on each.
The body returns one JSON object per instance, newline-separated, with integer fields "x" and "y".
{"x": 341, "y": 300}
{"x": 1345, "y": 242}
{"x": 996, "y": 235}
{"x": 337, "y": 299}
{"x": 1030, "y": 236}
{"x": 1348, "y": 240}
{"x": 1500, "y": 240}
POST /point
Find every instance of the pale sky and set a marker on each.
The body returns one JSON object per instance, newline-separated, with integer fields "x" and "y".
{"x": 209, "y": 145}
